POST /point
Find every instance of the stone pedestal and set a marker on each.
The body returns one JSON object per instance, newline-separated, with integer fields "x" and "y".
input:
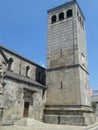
{"x": 69, "y": 115}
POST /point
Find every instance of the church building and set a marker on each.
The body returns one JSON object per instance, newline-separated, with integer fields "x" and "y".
{"x": 22, "y": 87}
{"x": 60, "y": 93}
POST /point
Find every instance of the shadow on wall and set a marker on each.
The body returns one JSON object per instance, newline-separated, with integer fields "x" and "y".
{"x": 40, "y": 75}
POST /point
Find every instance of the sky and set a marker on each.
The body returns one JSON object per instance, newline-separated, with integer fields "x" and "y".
{"x": 23, "y": 29}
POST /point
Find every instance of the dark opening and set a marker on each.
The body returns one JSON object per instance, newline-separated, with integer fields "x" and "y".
{"x": 69, "y": 13}
{"x": 77, "y": 14}
{"x": 82, "y": 24}
{"x": 61, "y": 16}
{"x": 1, "y": 114}
{"x": 26, "y": 105}
{"x": 61, "y": 51}
{"x": 10, "y": 63}
{"x": 53, "y": 19}
{"x": 59, "y": 119}
{"x": 27, "y": 71}
{"x": 80, "y": 19}
{"x": 39, "y": 76}
{"x": 26, "y": 109}
{"x": 43, "y": 93}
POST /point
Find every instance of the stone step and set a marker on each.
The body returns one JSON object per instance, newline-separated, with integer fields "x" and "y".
{"x": 27, "y": 122}
{"x": 6, "y": 123}
{"x": 92, "y": 127}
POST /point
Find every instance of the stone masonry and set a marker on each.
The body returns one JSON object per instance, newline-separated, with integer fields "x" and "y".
{"x": 22, "y": 88}
{"x": 68, "y": 97}
{"x": 64, "y": 98}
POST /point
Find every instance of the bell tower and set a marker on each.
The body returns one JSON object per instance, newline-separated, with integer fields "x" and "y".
{"x": 68, "y": 94}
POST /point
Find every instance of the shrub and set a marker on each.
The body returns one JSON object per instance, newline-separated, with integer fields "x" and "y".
{"x": 93, "y": 104}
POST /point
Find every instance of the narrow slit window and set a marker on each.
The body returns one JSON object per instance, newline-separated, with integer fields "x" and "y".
{"x": 77, "y": 14}
{"x": 61, "y": 52}
{"x": 10, "y": 62}
{"x": 83, "y": 24}
{"x": 27, "y": 71}
{"x": 80, "y": 19}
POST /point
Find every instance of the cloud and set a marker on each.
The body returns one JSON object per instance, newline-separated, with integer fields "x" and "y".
{"x": 41, "y": 64}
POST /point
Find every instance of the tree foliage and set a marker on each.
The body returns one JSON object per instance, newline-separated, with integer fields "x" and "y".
{"x": 93, "y": 104}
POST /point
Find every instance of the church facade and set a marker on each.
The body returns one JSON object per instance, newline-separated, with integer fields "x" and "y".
{"x": 58, "y": 94}
{"x": 22, "y": 88}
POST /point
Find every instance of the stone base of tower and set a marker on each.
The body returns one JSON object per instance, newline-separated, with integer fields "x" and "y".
{"x": 69, "y": 115}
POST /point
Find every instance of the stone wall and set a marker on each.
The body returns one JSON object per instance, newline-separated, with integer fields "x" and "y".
{"x": 18, "y": 87}
{"x": 63, "y": 87}
{"x": 2, "y": 84}
{"x": 14, "y": 101}
{"x": 67, "y": 81}
{"x": 20, "y": 63}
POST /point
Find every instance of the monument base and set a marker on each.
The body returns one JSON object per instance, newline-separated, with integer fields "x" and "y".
{"x": 69, "y": 115}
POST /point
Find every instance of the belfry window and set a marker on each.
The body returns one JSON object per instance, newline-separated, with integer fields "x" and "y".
{"x": 53, "y": 19}
{"x": 27, "y": 71}
{"x": 69, "y": 13}
{"x": 10, "y": 62}
{"x": 61, "y": 16}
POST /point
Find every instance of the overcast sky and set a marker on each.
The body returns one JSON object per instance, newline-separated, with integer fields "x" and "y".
{"x": 23, "y": 29}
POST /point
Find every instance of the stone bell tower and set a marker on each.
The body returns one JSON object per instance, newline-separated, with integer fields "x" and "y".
{"x": 68, "y": 97}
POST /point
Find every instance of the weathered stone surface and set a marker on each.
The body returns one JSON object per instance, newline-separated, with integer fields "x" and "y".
{"x": 19, "y": 87}
{"x": 67, "y": 69}
{"x": 22, "y": 82}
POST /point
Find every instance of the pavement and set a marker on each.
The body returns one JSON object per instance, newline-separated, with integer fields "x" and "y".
{"x": 49, "y": 127}
{"x": 43, "y": 126}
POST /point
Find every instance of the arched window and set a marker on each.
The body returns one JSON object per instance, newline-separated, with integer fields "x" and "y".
{"x": 39, "y": 76}
{"x": 53, "y": 19}
{"x": 27, "y": 71}
{"x": 10, "y": 62}
{"x": 61, "y": 16}
{"x": 69, "y": 13}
